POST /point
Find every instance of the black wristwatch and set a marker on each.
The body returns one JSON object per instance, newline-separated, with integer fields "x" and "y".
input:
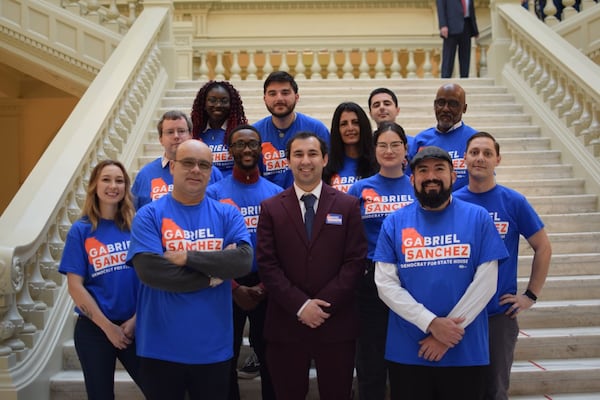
{"x": 531, "y": 295}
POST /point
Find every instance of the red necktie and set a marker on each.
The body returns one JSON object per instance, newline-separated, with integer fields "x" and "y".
{"x": 464, "y": 4}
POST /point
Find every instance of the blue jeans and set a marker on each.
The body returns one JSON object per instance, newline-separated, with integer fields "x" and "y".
{"x": 98, "y": 356}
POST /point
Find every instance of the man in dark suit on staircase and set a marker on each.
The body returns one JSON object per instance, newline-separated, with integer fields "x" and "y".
{"x": 457, "y": 23}
{"x": 311, "y": 251}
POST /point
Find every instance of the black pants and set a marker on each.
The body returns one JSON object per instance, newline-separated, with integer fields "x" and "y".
{"x": 463, "y": 42}
{"x": 371, "y": 367}
{"x": 415, "y": 382}
{"x": 256, "y": 318}
{"x": 169, "y": 380}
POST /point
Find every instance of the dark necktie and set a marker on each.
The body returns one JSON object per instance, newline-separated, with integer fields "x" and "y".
{"x": 309, "y": 215}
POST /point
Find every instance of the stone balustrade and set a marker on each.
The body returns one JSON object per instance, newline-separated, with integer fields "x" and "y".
{"x": 108, "y": 122}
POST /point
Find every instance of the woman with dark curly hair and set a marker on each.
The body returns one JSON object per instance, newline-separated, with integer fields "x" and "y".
{"x": 351, "y": 156}
{"x": 217, "y": 109}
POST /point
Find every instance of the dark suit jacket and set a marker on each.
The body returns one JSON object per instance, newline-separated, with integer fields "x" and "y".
{"x": 450, "y": 14}
{"x": 294, "y": 269}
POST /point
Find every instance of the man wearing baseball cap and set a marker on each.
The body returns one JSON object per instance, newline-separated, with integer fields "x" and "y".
{"x": 436, "y": 268}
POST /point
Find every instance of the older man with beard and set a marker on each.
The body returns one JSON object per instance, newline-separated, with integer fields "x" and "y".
{"x": 436, "y": 268}
{"x": 281, "y": 96}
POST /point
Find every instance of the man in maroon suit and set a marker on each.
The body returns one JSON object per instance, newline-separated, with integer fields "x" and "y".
{"x": 311, "y": 251}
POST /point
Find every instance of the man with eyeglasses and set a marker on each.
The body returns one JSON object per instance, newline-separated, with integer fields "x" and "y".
{"x": 246, "y": 189}
{"x": 186, "y": 248}
{"x": 281, "y": 96}
{"x": 154, "y": 180}
{"x": 450, "y": 133}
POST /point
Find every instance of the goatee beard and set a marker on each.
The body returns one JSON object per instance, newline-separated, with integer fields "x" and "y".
{"x": 432, "y": 199}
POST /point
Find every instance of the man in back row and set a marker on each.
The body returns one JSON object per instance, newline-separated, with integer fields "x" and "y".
{"x": 513, "y": 216}
{"x": 154, "y": 180}
{"x": 383, "y": 107}
{"x": 281, "y": 96}
{"x": 450, "y": 133}
{"x": 246, "y": 189}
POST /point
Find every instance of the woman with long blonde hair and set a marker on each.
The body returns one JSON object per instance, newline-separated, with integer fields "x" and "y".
{"x": 103, "y": 288}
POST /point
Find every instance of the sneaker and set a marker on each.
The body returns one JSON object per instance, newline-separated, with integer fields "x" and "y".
{"x": 250, "y": 369}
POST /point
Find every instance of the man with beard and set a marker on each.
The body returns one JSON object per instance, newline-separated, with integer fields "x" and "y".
{"x": 281, "y": 96}
{"x": 450, "y": 133}
{"x": 436, "y": 268}
{"x": 246, "y": 189}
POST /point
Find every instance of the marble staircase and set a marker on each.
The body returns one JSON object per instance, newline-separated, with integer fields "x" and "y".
{"x": 558, "y": 352}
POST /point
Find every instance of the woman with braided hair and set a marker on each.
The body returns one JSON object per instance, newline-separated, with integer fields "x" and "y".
{"x": 217, "y": 109}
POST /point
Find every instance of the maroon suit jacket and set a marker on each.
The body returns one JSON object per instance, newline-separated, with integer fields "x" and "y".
{"x": 295, "y": 269}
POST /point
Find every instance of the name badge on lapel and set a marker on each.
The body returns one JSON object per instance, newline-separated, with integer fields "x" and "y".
{"x": 333, "y": 219}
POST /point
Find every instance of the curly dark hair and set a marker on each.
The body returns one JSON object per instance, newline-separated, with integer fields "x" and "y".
{"x": 200, "y": 116}
{"x": 367, "y": 165}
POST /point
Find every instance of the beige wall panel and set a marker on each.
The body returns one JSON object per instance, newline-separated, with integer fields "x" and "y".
{"x": 39, "y": 24}
{"x": 41, "y": 120}
{"x": 66, "y": 35}
{"x": 303, "y": 23}
{"x": 9, "y": 136}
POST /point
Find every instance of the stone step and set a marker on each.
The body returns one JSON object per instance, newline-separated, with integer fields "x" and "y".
{"x": 573, "y": 287}
{"x": 527, "y": 378}
{"x": 556, "y": 171}
{"x": 566, "y": 243}
{"x": 508, "y": 144}
{"x": 423, "y": 97}
{"x": 564, "y": 204}
{"x": 69, "y": 385}
{"x": 254, "y": 104}
{"x": 557, "y": 343}
{"x": 557, "y": 314}
{"x": 556, "y": 376}
{"x": 545, "y": 187}
{"x": 354, "y": 84}
{"x": 537, "y": 158}
{"x": 564, "y": 264}
{"x": 572, "y": 222}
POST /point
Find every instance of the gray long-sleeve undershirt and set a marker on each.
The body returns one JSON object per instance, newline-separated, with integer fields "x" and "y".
{"x": 159, "y": 273}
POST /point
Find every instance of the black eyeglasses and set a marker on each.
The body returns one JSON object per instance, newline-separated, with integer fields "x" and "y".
{"x": 441, "y": 103}
{"x": 190, "y": 163}
{"x": 214, "y": 101}
{"x": 241, "y": 145}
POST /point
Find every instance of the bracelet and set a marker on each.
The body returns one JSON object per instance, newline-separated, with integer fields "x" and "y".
{"x": 531, "y": 295}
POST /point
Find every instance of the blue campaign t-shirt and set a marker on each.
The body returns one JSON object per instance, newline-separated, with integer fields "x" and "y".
{"x": 154, "y": 181}
{"x": 215, "y": 140}
{"x": 246, "y": 198}
{"x": 192, "y": 327}
{"x": 454, "y": 142}
{"x": 379, "y": 197}
{"x": 99, "y": 257}
{"x": 346, "y": 176}
{"x": 274, "y": 165}
{"x": 513, "y": 216}
{"x": 437, "y": 254}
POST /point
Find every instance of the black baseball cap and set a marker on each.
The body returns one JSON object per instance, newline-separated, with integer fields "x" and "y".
{"x": 430, "y": 152}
